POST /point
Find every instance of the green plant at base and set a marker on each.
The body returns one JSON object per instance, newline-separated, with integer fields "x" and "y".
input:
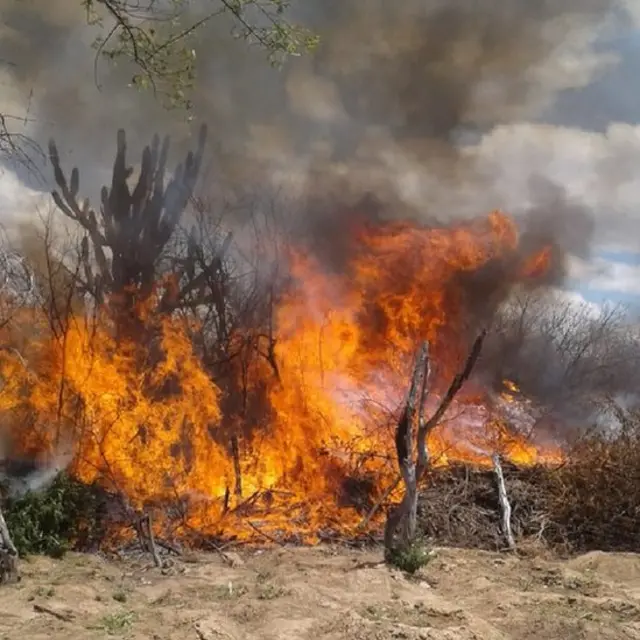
{"x": 54, "y": 520}
{"x": 409, "y": 558}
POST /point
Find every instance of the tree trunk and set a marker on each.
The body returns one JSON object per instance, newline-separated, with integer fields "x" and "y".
{"x": 404, "y": 516}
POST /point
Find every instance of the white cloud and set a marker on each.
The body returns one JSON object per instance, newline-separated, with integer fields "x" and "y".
{"x": 604, "y": 275}
{"x": 577, "y": 300}
{"x": 633, "y": 7}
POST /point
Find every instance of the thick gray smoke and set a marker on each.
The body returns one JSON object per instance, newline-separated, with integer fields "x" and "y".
{"x": 393, "y": 89}
{"x": 387, "y": 110}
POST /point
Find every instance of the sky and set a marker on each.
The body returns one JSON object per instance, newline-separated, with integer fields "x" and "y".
{"x": 609, "y": 110}
{"x": 573, "y": 120}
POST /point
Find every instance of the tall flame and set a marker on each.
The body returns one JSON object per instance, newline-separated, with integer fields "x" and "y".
{"x": 145, "y": 419}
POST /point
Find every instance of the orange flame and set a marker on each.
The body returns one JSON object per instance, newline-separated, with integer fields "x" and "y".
{"x": 146, "y": 422}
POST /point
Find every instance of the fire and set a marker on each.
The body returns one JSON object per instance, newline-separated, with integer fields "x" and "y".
{"x": 537, "y": 265}
{"x": 511, "y": 386}
{"x": 144, "y": 419}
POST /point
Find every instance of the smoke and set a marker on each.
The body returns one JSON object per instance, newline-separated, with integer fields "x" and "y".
{"x": 19, "y": 476}
{"x": 389, "y": 105}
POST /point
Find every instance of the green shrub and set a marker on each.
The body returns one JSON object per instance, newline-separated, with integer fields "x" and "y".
{"x": 410, "y": 558}
{"x": 66, "y": 515}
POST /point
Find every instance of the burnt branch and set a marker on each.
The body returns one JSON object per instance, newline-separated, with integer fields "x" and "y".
{"x": 424, "y": 426}
{"x": 456, "y": 384}
{"x": 144, "y": 529}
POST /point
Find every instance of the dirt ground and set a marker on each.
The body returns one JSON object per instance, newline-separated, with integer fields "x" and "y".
{"x": 324, "y": 593}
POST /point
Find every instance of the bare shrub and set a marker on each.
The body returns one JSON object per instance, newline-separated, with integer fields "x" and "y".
{"x": 594, "y": 497}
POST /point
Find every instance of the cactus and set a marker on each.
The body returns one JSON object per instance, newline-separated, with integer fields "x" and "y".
{"x": 128, "y": 235}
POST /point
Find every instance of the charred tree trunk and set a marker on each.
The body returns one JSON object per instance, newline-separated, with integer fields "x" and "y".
{"x": 237, "y": 470}
{"x": 404, "y": 516}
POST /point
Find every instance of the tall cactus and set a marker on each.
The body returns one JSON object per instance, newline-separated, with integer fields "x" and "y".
{"x": 134, "y": 225}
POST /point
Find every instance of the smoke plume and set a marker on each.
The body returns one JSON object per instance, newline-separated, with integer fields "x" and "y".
{"x": 389, "y": 104}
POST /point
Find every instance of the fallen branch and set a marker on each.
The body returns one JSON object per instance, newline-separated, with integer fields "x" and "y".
{"x": 168, "y": 546}
{"x": 65, "y": 616}
{"x": 505, "y": 505}
{"x": 264, "y": 535}
{"x": 199, "y": 632}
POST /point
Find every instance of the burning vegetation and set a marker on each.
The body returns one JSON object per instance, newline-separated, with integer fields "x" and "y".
{"x": 210, "y": 403}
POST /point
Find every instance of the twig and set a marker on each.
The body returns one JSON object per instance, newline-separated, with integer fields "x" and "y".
{"x": 265, "y": 535}
{"x": 209, "y": 544}
{"x": 65, "y": 616}
{"x": 505, "y": 505}
{"x": 385, "y": 496}
{"x": 248, "y": 502}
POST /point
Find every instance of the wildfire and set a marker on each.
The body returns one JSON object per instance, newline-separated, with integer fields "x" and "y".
{"x": 145, "y": 420}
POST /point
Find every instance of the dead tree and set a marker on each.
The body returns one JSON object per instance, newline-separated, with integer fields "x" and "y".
{"x": 406, "y": 512}
{"x": 404, "y": 516}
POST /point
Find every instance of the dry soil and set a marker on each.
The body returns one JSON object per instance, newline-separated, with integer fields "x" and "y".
{"x": 324, "y": 594}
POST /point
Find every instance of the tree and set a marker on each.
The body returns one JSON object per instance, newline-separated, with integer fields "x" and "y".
{"x": 563, "y": 356}
{"x": 158, "y": 36}
{"x": 404, "y": 517}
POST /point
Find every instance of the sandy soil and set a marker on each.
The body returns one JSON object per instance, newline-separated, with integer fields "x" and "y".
{"x": 324, "y": 594}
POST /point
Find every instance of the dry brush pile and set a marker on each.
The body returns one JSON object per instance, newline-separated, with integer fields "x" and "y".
{"x": 590, "y": 502}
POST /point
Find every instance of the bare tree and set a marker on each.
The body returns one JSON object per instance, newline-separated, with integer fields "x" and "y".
{"x": 563, "y": 356}
{"x": 405, "y": 515}
{"x": 151, "y": 239}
